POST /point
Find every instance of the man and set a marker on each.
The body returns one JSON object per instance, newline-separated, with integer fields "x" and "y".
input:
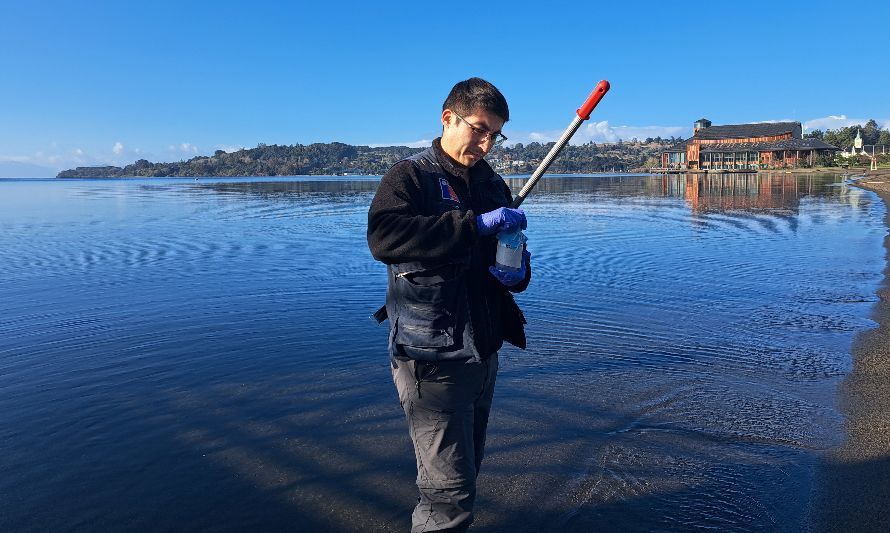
{"x": 434, "y": 221}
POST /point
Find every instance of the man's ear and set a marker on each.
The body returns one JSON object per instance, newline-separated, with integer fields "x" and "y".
{"x": 446, "y": 117}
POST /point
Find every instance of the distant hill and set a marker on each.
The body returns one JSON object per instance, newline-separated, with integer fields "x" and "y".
{"x": 16, "y": 169}
{"x": 343, "y": 159}
{"x": 264, "y": 160}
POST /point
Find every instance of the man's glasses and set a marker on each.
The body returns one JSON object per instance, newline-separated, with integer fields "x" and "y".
{"x": 496, "y": 139}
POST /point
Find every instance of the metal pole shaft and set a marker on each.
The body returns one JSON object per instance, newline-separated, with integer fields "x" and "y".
{"x": 547, "y": 161}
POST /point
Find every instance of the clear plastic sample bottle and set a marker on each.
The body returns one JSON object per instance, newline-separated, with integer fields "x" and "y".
{"x": 509, "y": 253}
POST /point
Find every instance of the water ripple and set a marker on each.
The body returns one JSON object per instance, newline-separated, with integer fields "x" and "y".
{"x": 686, "y": 337}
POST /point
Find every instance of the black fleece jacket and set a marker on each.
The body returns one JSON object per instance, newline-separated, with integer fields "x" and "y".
{"x": 412, "y": 220}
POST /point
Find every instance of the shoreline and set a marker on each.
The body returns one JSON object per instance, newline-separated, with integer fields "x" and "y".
{"x": 852, "y": 491}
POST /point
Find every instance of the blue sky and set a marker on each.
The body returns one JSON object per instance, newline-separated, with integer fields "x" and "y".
{"x": 87, "y": 83}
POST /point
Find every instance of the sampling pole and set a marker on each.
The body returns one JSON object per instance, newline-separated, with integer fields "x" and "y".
{"x": 583, "y": 113}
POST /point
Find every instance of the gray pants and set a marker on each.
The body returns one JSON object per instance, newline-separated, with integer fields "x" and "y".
{"x": 447, "y": 405}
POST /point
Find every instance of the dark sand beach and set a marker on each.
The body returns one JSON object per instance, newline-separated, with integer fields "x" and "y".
{"x": 854, "y": 479}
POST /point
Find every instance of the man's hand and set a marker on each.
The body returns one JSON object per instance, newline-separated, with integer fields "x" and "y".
{"x": 501, "y": 219}
{"x": 510, "y": 278}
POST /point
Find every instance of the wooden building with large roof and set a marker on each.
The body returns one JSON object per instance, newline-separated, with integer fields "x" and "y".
{"x": 745, "y": 147}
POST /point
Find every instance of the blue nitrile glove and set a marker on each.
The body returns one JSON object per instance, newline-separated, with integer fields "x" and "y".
{"x": 510, "y": 278}
{"x": 501, "y": 219}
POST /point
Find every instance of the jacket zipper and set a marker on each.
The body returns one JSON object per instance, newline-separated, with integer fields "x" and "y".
{"x": 484, "y": 287}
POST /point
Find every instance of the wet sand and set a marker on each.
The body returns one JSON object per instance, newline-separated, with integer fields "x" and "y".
{"x": 853, "y": 483}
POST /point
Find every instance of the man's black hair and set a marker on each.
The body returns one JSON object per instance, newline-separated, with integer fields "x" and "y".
{"x": 474, "y": 94}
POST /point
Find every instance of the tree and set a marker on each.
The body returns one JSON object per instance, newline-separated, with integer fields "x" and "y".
{"x": 870, "y": 132}
{"x": 825, "y": 159}
{"x": 815, "y": 134}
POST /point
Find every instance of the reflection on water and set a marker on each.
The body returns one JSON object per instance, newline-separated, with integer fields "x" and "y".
{"x": 751, "y": 192}
{"x": 703, "y": 193}
{"x": 181, "y": 354}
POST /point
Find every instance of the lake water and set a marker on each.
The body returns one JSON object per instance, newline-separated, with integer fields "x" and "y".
{"x": 197, "y": 355}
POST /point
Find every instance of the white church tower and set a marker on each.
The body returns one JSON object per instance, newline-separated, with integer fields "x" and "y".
{"x": 857, "y": 142}
{"x": 857, "y": 146}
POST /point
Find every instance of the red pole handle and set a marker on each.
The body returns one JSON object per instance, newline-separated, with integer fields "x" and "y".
{"x": 601, "y": 89}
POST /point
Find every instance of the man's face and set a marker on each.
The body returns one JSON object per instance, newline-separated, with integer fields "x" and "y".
{"x": 462, "y": 143}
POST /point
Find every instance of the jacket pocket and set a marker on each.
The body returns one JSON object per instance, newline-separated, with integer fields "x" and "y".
{"x": 419, "y": 336}
{"x": 429, "y": 303}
